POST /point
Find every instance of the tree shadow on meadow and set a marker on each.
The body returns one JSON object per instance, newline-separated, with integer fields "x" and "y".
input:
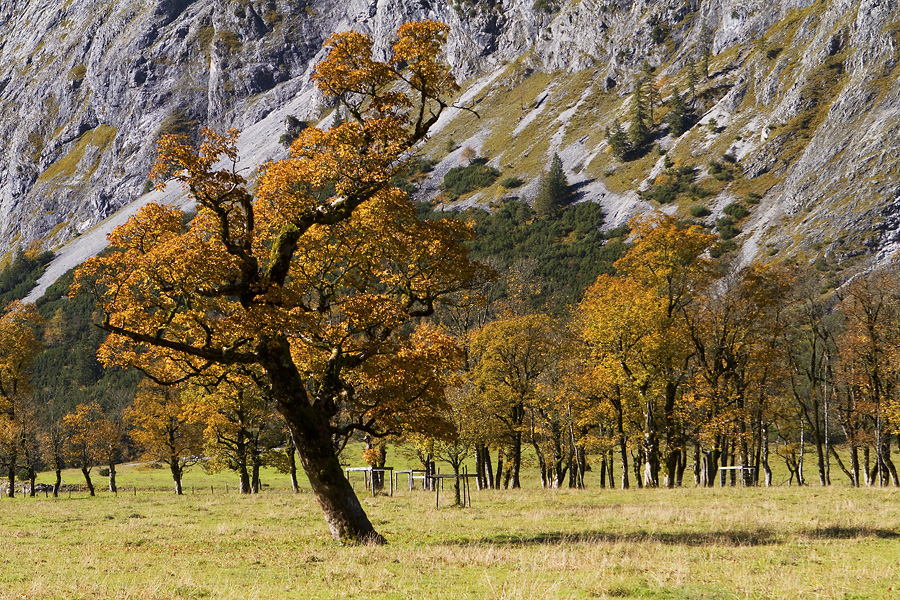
{"x": 752, "y": 537}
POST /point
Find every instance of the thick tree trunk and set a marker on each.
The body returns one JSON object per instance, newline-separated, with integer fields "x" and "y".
{"x": 343, "y": 512}
{"x": 175, "y": 468}
{"x": 87, "y": 479}
{"x": 311, "y": 430}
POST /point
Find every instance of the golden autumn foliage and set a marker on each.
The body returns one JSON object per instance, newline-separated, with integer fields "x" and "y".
{"x": 163, "y": 427}
{"x": 18, "y": 425}
{"x": 18, "y": 347}
{"x": 314, "y": 282}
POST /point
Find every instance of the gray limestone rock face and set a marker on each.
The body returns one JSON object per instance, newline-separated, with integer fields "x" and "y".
{"x": 87, "y": 87}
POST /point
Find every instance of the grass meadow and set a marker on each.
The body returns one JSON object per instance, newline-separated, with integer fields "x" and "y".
{"x": 781, "y": 542}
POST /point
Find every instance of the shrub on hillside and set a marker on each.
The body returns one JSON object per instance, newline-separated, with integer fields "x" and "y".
{"x": 462, "y": 180}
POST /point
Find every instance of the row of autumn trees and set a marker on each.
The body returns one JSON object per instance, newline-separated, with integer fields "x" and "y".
{"x": 233, "y": 426}
{"x": 318, "y": 289}
{"x": 669, "y": 363}
{"x": 677, "y": 362}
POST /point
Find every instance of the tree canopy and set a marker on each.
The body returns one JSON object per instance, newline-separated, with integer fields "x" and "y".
{"x": 313, "y": 287}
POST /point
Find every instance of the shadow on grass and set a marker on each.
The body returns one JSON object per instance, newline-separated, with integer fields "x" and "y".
{"x": 845, "y": 533}
{"x": 755, "y": 537}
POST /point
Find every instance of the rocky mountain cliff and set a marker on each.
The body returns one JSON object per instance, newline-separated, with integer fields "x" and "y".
{"x": 801, "y": 100}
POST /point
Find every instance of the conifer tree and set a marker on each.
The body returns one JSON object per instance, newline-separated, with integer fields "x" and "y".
{"x": 617, "y": 140}
{"x": 554, "y": 192}
{"x": 677, "y": 116}
{"x": 704, "y": 48}
{"x": 692, "y": 79}
{"x": 639, "y": 129}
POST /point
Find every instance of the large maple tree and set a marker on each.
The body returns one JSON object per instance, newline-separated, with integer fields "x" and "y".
{"x": 314, "y": 284}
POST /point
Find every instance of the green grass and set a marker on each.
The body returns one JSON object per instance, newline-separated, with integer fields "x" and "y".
{"x": 100, "y": 137}
{"x": 686, "y": 544}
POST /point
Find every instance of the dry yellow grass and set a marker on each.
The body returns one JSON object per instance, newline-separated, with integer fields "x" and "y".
{"x": 684, "y": 544}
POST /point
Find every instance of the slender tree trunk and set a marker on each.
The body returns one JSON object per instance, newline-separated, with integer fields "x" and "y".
{"x": 32, "y": 477}
{"x": 673, "y": 435}
{"x": 723, "y": 456}
{"x": 244, "y": 475}
{"x": 854, "y": 465}
{"x": 623, "y": 444}
{"x": 820, "y": 449}
{"x": 87, "y": 479}
{"x": 455, "y": 463}
{"x": 58, "y": 483}
{"x": 651, "y": 448}
{"x": 516, "y": 460}
{"x": 867, "y": 459}
{"x": 255, "y": 484}
{"x": 480, "y": 479}
{"x": 610, "y": 470}
{"x": 430, "y": 471}
{"x": 292, "y": 465}
{"x": 638, "y": 465}
{"x": 764, "y": 459}
{"x": 743, "y": 446}
{"x": 891, "y": 470}
{"x": 112, "y": 477}
{"x": 499, "y": 473}
{"x": 11, "y": 489}
{"x": 699, "y": 471}
{"x": 488, "y": 470}
{"x": 602, "y": 473}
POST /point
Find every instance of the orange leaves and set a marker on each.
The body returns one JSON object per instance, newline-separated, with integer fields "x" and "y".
{"x": 146, "y": 229}
{"x": 350, "y": 67}
{"x": 363, "y": 84}
{"x": 92, "y": 437}
{"x": 178, "y": 159}
{"x": 327, "y": 266}
{"x": 669, "y": 258}
{"x": 18, "y": 347}
{"x": 417, "y": 48}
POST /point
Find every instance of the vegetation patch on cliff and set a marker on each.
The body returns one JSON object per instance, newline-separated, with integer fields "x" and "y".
{"x": 100, "y": 137}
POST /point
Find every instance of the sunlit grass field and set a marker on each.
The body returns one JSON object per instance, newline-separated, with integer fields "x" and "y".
{"x": 781, "y": 542}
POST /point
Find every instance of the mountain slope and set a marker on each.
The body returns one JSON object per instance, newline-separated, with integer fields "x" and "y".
{"x": 802, "y": 94}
